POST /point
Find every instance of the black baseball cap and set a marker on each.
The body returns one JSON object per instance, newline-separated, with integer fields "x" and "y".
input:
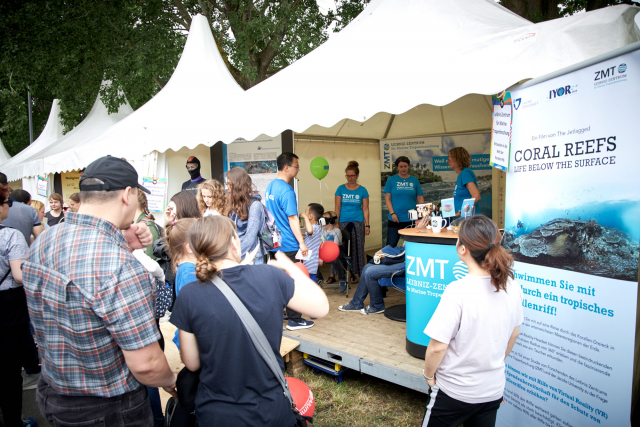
{"x": 116, "y": 173}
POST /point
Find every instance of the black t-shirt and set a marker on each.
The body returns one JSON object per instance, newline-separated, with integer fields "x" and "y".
{"x": 192, "y": 186}
{"x": 236, "y": 385}
{"x": 53, "y": 220}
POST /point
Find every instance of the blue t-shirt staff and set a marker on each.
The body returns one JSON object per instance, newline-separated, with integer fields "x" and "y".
{"x": 352, "y": 206}
{"x": 401, "y": 193}
{"x": 283, "y": 205}
{"x": 467, "y": 184}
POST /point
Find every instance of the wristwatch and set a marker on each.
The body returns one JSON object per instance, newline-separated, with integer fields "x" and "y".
{"x": 367, "y": 226}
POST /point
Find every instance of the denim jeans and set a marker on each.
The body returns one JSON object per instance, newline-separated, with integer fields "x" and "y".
{"x": 368, "y": 285}
{"x": 393, "y": 235}
{"x": 156, "y": 406}
{"x": 131, "y": 409}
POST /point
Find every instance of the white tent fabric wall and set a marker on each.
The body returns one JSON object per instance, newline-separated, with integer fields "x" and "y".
{"x": 398, "y": 54}
{"x": 4, "y": 154}
{"x": 52, "y": 131}
{"x": 96, "y": 122}
{"x": 30, "y": 184}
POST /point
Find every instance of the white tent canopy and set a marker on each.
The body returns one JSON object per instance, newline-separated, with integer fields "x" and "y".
{"x": 52, "y": 131}
{"x": 4, "y": 154}
{"x": 32, "y": 163}
{"x": 398, "y": 56}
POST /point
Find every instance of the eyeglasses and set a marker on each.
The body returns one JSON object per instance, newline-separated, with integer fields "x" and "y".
{"x": 297, "y": 167}
{"x": 65, "y": 208}
{"x": 350, "y": 176}
{"x": 9, "y": 201}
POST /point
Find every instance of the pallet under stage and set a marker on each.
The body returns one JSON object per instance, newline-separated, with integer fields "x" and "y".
{"x": 373, "y": 344}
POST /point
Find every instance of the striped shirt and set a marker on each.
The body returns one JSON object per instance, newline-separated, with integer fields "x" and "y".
{"x": 313, "y": 244}
{"x": 88, "y": 299}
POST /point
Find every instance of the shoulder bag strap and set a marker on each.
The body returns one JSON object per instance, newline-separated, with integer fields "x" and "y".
{"x": 255, "y": 332}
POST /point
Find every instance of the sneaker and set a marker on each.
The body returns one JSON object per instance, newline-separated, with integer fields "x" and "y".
{"x": 348, "y": 307}
{"x": 30, "y": 381}
{"x": 302, "y": 324}
{"x": 343, "y": 285}
{"x": 370, "y": 310}
{"x": 28, "y": 422}
{"x": 284, "y": 316}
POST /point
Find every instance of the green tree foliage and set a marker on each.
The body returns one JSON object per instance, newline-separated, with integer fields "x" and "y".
{"x": 544, "y": 10}
{"x": 64, "y": 49}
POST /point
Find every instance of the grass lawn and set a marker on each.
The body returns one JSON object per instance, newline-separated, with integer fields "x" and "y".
{"x": 362, "y": 400}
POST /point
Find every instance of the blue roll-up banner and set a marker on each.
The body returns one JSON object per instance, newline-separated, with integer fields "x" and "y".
{"x": 429, "y": 269}
{"x": 573, "y": 226}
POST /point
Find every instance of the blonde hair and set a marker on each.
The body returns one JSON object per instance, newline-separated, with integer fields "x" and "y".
{"x": 37, "y": 205}
{"x": 210, "y": 239}
{"x": 461, "y": 156}
{"x": 219, "y": 200}
{"x": 176, "y": 239}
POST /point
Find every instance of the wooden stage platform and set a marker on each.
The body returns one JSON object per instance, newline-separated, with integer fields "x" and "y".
{"x": 373, "y": 344}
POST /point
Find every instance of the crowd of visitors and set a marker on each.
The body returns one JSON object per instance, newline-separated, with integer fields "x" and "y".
{"x": 93, "y": 288}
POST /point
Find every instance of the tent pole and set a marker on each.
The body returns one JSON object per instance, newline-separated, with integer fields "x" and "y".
{"x": 30, "y": 119}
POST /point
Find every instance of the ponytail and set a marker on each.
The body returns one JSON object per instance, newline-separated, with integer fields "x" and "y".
{"x": 210, "y": 240}
{"x": 176, "y": 239}
{"x": 481, "y": 237}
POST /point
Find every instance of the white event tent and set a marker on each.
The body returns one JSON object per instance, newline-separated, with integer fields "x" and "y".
{"x": 402, "y": 68}
{"x": 4, "y": 154}
{"x": 30, "y": 161}
{"x": 398, "y": 56}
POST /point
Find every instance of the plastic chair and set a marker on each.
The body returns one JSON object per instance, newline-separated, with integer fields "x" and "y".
{"x": 345, "y": 255}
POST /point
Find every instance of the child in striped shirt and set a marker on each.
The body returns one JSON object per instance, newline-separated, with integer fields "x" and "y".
{"x": 313, "y": 236}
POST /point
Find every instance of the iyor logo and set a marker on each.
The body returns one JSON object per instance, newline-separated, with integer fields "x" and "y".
{"x": 562, "y": 91}
{"x": 460, "y": 270}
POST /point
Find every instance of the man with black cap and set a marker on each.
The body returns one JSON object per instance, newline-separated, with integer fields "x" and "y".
{"x": 92, "y": 304}
{"x": 193, "y": 167}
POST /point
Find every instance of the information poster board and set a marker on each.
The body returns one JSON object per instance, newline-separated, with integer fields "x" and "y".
{"x": 42, "y": 184}
{"x": 258, "y": 158}
{"x": 572, "y": 225}
{"x": 70, "y": 184}
{"x": 158, "y": 188}
{"x": 428, "y": 156}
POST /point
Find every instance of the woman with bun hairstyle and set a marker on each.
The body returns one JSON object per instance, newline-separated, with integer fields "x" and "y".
{"x": 472, "y": 332}
{"x": 212, "y": 199}
{"x": 352, "y": 206}
{"x": 236, "y": 386}
{"x": 401, "y": 193}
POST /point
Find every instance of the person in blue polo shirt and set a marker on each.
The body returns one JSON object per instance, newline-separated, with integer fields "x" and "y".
{"x": 401, "y": 192}
{"x": 283, "y": 205}
{"x": 352, "y": 205}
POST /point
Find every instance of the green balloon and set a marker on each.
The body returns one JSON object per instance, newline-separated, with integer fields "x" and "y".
{"x": 319, "y": 167}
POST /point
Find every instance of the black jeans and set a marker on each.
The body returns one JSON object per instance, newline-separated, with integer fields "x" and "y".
{"x": 291, "y": 314}
{"x": 14, "y": 349}
{"x": 131, "y": 409}
{"x": 393, "y": 235}
{"x": 445, "y": 411}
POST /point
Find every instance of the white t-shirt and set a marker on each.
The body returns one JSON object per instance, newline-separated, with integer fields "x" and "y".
{"x": 476, "y": 322}
{"x": 210, "y": 211}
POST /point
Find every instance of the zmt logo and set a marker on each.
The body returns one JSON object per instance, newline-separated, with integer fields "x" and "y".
{"x": 387, "y": 160}
{"x": 603, "y": 74}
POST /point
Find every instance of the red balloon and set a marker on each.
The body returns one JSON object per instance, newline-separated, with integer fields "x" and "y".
{"x": 302, "y": 396}
{"x": 302, "y": 267}
{"x": 329, "y": 251}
